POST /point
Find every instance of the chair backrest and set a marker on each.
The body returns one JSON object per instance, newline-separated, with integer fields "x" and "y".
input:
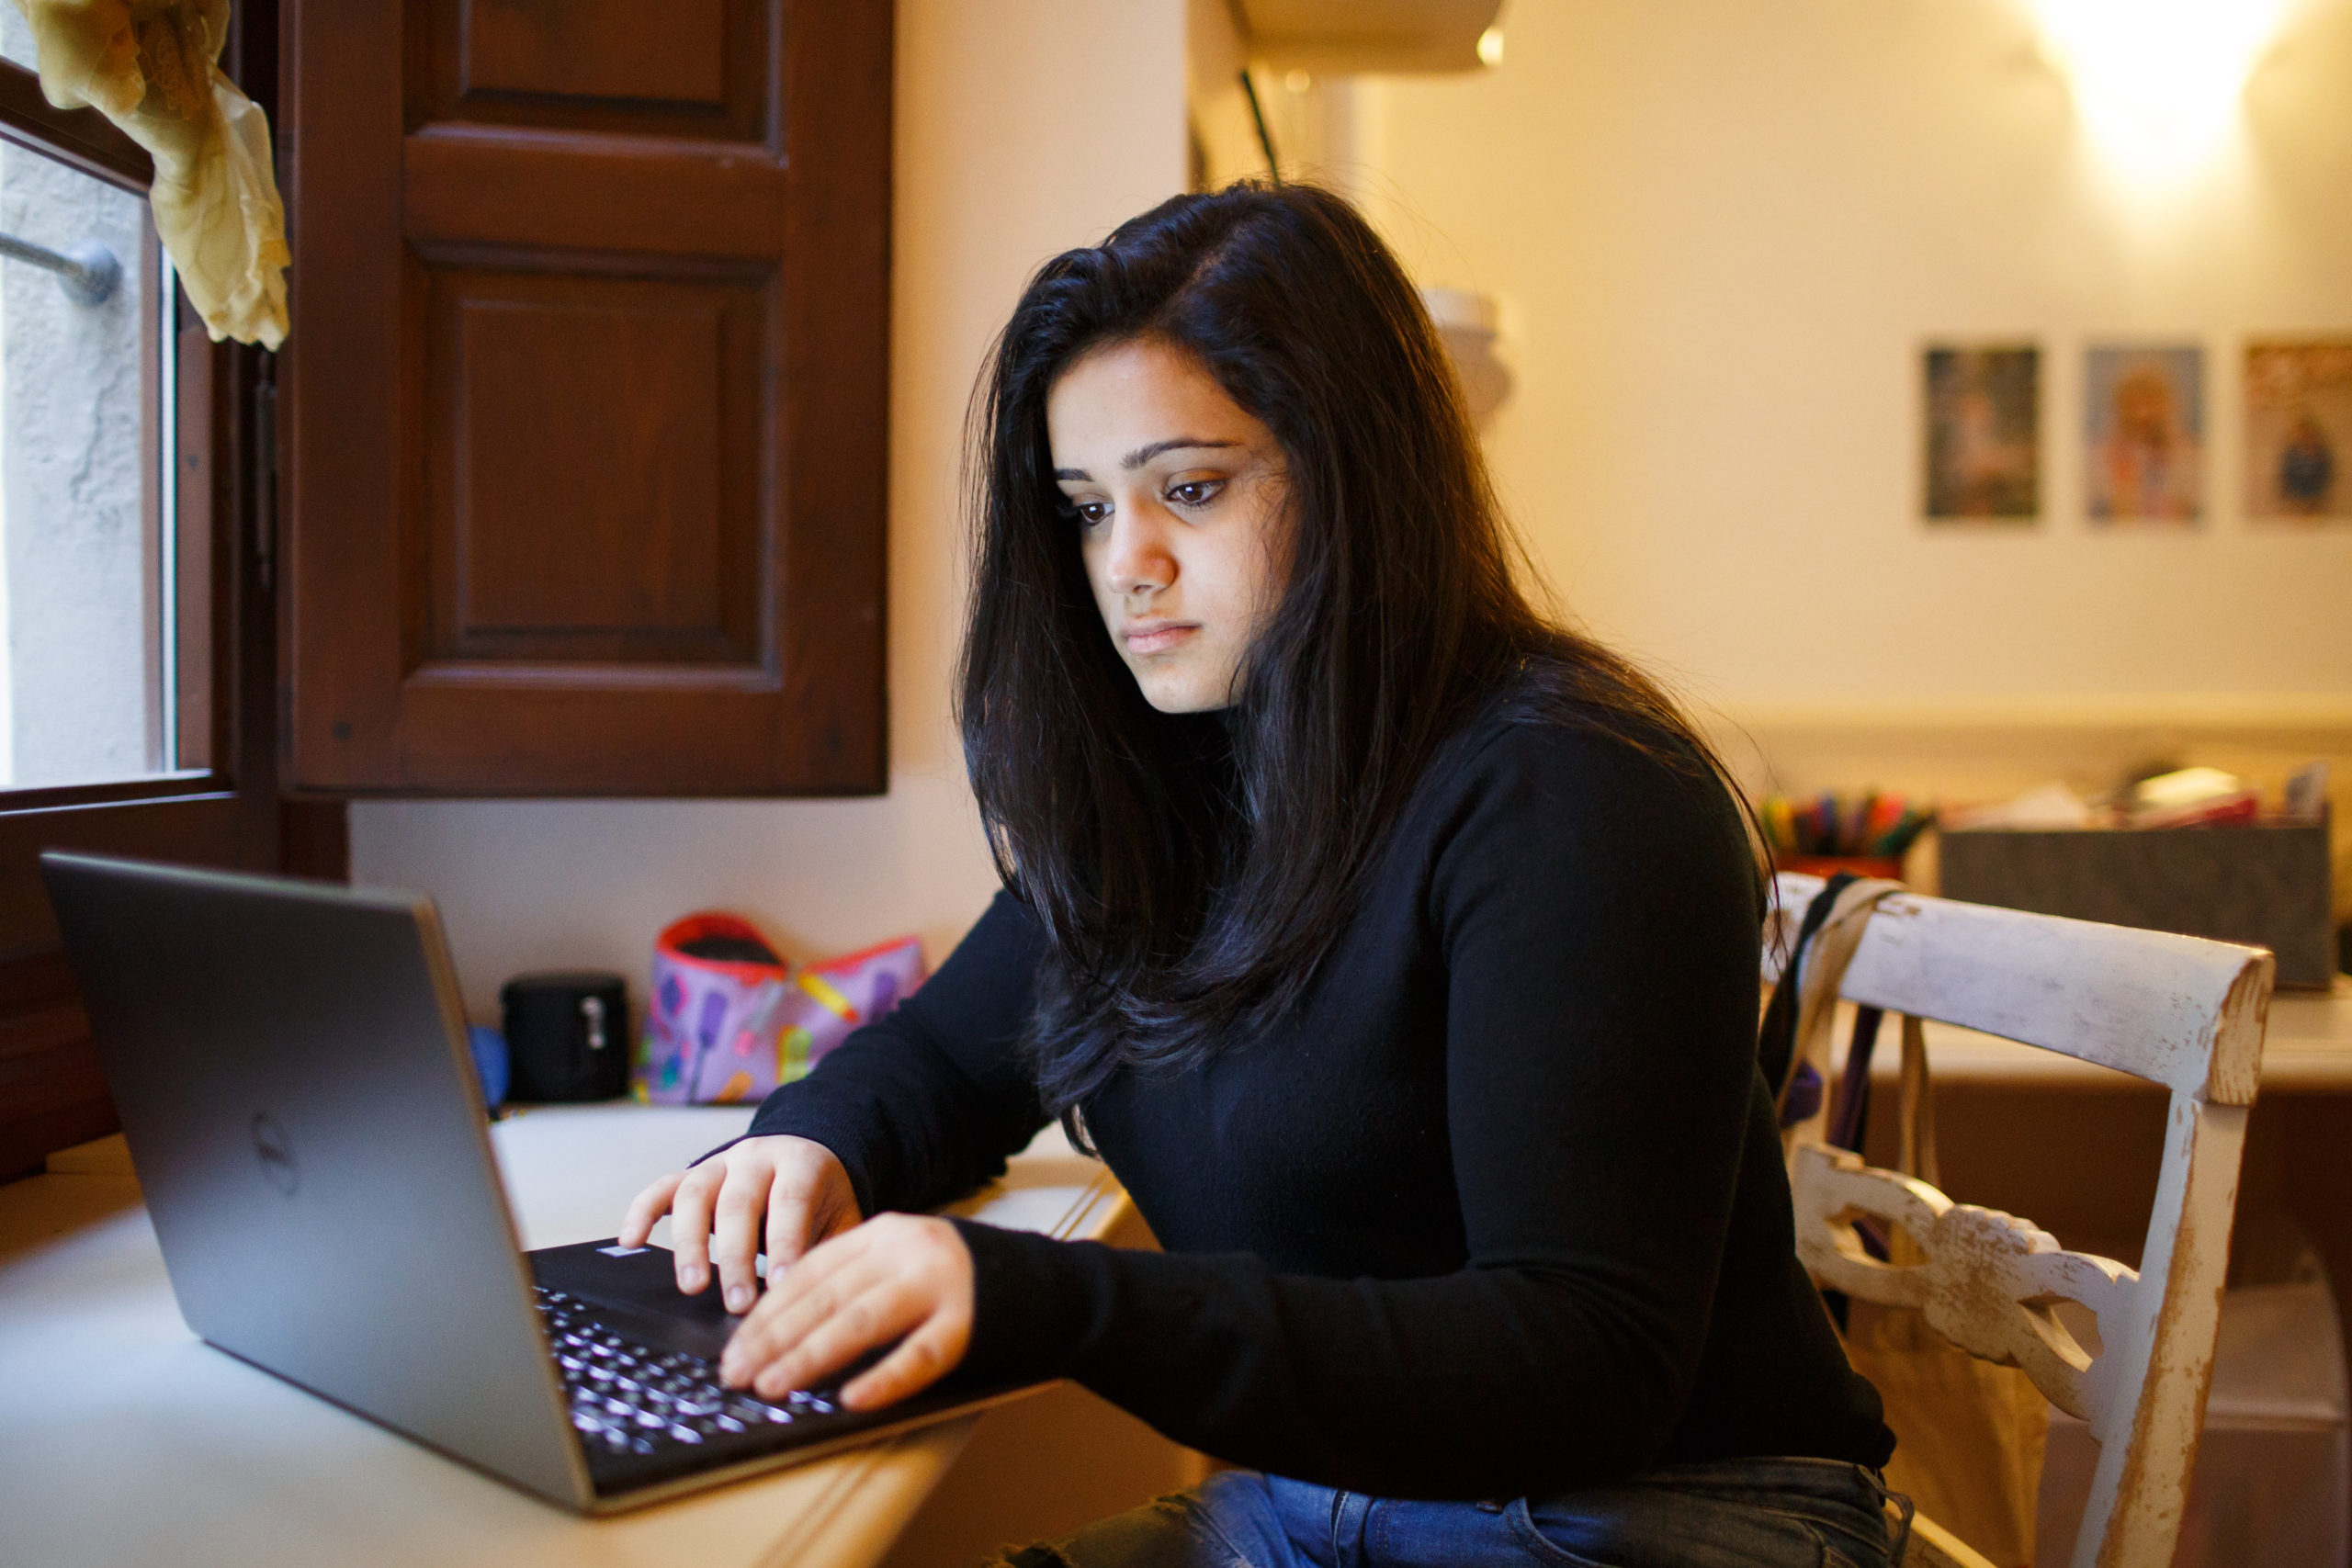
{"x": 2180, "y": 1011}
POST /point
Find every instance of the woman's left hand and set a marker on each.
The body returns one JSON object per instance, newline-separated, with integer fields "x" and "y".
{"x": 896, "y": 1275}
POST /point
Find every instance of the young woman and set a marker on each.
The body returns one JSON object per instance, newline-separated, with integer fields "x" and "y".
{"x": 1396, "y": 946}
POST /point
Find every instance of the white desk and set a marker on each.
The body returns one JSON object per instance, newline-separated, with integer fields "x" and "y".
{"x": 125, "y": 1439}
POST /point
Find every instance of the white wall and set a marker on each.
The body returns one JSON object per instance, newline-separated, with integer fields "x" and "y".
{"x": 1025, "y": 126}
{"x": 80, "y": 699}
{"x": 1722, "y": 232}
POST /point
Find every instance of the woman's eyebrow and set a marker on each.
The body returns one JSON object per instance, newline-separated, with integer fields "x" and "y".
{"x": 1142, "y": 455}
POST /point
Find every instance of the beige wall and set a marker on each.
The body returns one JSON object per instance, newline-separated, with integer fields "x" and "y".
{"x": 1025, "y": 126}
{"x": 1721, "y": 233}
{"x": 1722, "y": 230}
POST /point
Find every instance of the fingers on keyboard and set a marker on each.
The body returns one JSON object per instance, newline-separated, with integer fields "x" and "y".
{"x": 627, "y": 1398}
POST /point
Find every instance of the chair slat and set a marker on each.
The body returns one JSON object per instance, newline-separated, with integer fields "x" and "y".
{"x": 2179, "y": 1010}
{"x": 1985, "y": 1279}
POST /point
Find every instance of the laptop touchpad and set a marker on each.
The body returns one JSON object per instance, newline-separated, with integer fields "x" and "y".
{"x": 636, "y": 1290}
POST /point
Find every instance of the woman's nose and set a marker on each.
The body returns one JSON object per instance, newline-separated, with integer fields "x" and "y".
{"x": 1139, "y": 562}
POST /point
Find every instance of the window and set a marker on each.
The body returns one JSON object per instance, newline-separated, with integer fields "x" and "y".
{"x": 96, "y": 683}
{"x": 138, "y": 667}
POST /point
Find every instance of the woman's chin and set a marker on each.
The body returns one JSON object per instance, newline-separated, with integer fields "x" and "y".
{"x": 1181, "y": 691}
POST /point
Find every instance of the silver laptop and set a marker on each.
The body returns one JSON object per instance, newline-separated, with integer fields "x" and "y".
{"x": 289, "y": 1060}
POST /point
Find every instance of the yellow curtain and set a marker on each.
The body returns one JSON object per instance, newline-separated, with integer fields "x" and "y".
{"x": 148, "y": 65}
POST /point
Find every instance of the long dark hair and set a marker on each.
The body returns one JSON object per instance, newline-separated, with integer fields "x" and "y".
{"x": 1191, "y": 872}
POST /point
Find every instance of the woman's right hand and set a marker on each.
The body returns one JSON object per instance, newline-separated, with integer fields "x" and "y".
{"x": 716, "y": 1211}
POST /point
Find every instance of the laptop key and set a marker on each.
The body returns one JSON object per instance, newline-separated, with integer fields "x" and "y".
{"x": 629, "y": 1398}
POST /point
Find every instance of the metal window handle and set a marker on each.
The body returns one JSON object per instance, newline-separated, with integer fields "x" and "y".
{"x": 87, "y": 273}
{"x": 592, "y": 1010}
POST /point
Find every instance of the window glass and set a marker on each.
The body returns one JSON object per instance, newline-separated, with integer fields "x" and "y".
{"x": 91, "y": 612}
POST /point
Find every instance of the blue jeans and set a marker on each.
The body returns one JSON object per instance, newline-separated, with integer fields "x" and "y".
{"x": 1755, "y": 1513}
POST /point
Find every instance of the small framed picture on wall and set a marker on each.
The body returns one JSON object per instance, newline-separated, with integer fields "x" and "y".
{"x": 2298, "y": 430}
{"x": 1982, "y": 448}
{"x": 2143, "y": 433}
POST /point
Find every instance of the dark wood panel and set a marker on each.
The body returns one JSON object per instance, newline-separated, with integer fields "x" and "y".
{"x": 490, "y": 188}
{"x": 343, "y": 427}
{"x": 46, "y": 1060}
{"x": 26, "y": 1142}
{"x": 392, "y": 689}
{"x": 203, "y": 733}
{"x": 567, "y": 524}
{"x": 83, "y": 138}
{"x": 590, "y": 737}
{"x": 837, "y": 280}
{"x": 314, "y": 839}
{"x": 52, "y": 1090}
{"x": 685, "y": 68}
{"x": 206, "y": 830}
{"x": 597, "y": 49}
{"x": 580, "y": 520}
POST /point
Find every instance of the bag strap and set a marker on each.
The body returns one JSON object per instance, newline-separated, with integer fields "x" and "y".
{"x": 1917, "y": 1156}
{"x": 1776, "y": 1036}
{"x": 1818, "y": 967}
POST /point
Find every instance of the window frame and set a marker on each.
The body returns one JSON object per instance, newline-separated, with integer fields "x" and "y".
{"x": 85, "y": 142}
{"x": 230, "y": 813}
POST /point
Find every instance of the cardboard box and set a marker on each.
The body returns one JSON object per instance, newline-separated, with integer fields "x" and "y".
{"x": 2262, "y": 883}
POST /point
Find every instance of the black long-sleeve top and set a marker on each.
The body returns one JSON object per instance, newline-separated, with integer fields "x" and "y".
{"x": 1499, "y": 1211}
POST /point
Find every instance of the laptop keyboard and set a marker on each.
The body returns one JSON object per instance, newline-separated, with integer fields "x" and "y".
{"x": 629, "y": 1398}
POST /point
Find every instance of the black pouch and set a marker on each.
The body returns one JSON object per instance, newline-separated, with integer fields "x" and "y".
{"x": 567, "y": 1036}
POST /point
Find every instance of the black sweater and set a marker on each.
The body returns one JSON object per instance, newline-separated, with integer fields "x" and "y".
{"x": 1500, "y": 1211}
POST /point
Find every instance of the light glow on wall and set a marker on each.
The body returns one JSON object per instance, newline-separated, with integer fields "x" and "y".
{"x": 2158, "y": 82}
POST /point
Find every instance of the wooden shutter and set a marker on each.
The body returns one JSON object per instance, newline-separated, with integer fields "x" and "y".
{"x": 585, "y": 395}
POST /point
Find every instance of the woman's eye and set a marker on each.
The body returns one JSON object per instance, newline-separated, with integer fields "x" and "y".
{"x": 1196, "y": 492}
{"x": 1089, "y": 512}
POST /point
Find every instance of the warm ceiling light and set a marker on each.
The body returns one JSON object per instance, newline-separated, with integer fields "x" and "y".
{"x": 2157, "y": 82}
{"x": 1490, "y": 47}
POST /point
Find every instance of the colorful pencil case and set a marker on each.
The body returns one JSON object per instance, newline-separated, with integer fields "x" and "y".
{"x": 830, "y": 998}
{"x": 729, "y": 1020}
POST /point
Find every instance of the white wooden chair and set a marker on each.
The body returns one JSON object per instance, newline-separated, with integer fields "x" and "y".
{"x": 2179, "y": 1011}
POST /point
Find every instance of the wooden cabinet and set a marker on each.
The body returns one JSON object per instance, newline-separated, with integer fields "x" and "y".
{"x": 585, "y": 400}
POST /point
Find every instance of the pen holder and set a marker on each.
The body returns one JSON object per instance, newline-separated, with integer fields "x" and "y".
{"x": 1886, "y": 868}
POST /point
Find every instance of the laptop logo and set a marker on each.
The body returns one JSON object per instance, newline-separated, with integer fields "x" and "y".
{"x": 276, "y": 1152}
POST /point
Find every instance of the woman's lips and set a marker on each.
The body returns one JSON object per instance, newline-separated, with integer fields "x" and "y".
{"x": 1157, "y": 636}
